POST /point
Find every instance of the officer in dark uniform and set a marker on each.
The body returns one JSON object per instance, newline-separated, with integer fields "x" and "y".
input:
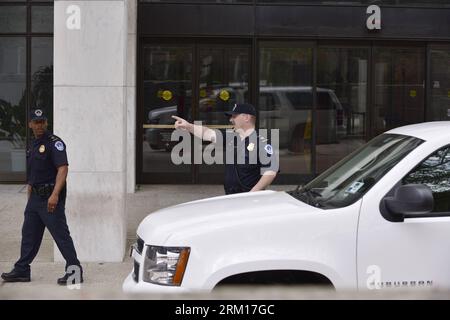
{"x": 47, "y": 169}
{"x": 244, "y": 174}
{"x": 243, "y": 146}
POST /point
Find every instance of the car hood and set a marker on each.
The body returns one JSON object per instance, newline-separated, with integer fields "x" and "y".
{"x": 210, "y": 214}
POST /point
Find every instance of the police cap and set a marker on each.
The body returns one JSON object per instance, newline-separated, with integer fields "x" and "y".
{"x": 239, "y": 108}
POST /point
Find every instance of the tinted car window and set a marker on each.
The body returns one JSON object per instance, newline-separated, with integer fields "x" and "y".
{"x": 300, "y": 100}
{"x": 324, "y": 101}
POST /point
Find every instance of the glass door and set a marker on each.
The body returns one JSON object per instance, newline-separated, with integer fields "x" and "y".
{"x": 342, "y": 74}
{"x": 399, "y": 82}
{"x": 195, "y": 81}
{"x": 166, "y": 90}
{"x": 223, "y": 80}
{"x": 439, "y": 100}
{"x": 286, "y": 104}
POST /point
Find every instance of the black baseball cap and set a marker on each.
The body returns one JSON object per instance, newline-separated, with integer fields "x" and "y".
{"x": 239, "y": 108}
{"x": 37, "y": 114}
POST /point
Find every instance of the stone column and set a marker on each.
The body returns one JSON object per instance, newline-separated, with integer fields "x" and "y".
{"x": 92, "y": 100}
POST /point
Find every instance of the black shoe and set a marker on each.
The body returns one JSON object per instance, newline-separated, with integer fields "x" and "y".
{"x": 63, "y": 280}
{"x": 15, "y": 276}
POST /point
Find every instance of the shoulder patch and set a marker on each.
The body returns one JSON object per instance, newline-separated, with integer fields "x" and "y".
{"x": 268, "y": 149}
{"x": 59, "y": 145}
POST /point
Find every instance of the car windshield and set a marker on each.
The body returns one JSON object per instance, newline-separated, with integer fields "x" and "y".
{"x": 349, "y": 179}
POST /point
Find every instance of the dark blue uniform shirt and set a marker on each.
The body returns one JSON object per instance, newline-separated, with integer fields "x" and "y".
{"x": 44, "y": 156}
{"x": 246, "y": 175}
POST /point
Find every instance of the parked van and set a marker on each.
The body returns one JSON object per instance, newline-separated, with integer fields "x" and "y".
{"x": 289, "y": 109}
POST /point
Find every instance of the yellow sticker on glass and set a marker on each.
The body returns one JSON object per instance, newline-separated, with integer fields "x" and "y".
{"x": 412, "y": 93}
{"x": 167, "y": 95}
{"x": 224, "y": 95}
{"x": 202, "y": 93}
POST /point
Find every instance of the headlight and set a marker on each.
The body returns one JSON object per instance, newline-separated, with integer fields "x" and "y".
{"x": 165, "y": 265}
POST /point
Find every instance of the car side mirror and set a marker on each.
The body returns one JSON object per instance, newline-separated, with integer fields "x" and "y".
{"x": 410, "y": 200}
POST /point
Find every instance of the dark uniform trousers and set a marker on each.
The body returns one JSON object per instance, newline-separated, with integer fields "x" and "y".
{"x": 37, "y": 218}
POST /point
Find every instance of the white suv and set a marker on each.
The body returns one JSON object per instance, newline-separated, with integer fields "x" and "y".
{"x": 378, "y": 219}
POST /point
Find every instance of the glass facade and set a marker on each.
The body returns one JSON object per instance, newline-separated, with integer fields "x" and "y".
{"x": 325, "y": 81}
{"x": 439, "y": 84}
{"x": 26, "y": 78}
{"x": 322, "y": 111}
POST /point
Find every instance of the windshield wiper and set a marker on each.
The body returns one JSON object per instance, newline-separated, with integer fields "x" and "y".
{"x": 308, "y": 196}
{"x": 313, "y": 192}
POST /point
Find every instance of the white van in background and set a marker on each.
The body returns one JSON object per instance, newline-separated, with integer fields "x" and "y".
{"x": 289, "y": 109}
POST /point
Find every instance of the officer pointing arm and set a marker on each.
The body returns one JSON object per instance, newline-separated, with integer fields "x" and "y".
{"x": 239, "y": 177}
{"x": 201, "y": 132}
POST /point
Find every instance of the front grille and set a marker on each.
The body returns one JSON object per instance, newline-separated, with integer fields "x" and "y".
{"x": 140, "y": 245}
{"x": 136, "y": 271}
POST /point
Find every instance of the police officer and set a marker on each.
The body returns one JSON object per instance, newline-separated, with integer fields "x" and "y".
{"x": 246, "y": 172}
{"x": 47, "y": 169}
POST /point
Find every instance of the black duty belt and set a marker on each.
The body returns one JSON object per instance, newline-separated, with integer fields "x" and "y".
{"x": 43, "y": 190}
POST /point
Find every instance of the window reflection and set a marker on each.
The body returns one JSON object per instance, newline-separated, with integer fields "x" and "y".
{"x": 341, "y": 103}
{"x": 42, "y": 76}
{"x": 167, "y": 91}
{"x": 12, "y": 104}
{"x": 440, "y": 85}
{"x": 17, "y": 96}
{"x": 285, "y": 104}
{"x": 42, "y": 19}
{"x": 13, "y": 19}
{"x": 435, "y": 173}
{"x": 223, "y": 81}
{"x": 399, "y": 87}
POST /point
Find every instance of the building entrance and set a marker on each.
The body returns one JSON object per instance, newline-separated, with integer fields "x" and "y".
{"x": 196, "y": 81}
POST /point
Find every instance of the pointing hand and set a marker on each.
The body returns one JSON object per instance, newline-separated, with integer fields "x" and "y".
{"x": 180, "y": 123}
